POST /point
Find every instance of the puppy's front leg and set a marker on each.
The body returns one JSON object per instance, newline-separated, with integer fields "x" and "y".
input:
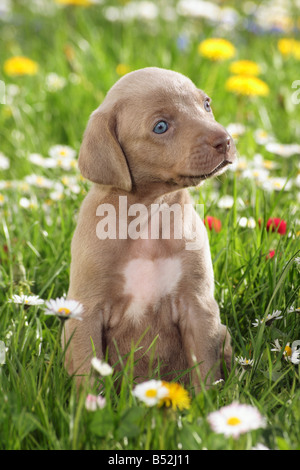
{"x": 202, "y": 335}
{"x": 79, "y": 338}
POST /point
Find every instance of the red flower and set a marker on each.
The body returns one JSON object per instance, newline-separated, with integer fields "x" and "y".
{"x": 213, "y": 223}
{"x": 271, "y": 254}
{"x": 275, "y": 224}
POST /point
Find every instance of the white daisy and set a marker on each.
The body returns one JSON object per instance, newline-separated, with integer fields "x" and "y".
{"x": 94, "y": 402}
{"x": 62, "y": 152}
{"x": 64, "y": 308}
{"x": 39, "y": 181}
{"x": 236, "y": 419}
{"x": 262, "y": 137}
{"x": 240, "y": 164}
{"x": 38, "y": 159}
{"x": 235, "y": 129}
{"x": 244, "y": 362}
{"x": 26, "y": 300}
{"x": 257, "y": 174}
{"x": 225, "y": 202}
{"x": 3, "y": 350}
{"x": 276, "y": 183}
{"x": 71, "y": 183}
{"x": 102, "y": 367}
{"x": 54, "y": 82}
{"x": 28, "y": 203}
{"x": 150, "y": 392}
{"x": 260, "y": 446}
{"x": 4, "y": 162}
{"x": 275, "y": 315}
{"x": 249, "y": 223}
{"x": 290, "y": 353}
{"x": 283, "y": 150}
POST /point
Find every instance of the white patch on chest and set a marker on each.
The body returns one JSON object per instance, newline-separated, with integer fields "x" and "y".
{"x": 148, "y": 281}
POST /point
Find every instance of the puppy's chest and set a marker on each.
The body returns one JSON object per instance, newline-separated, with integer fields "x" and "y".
{"x": 147, "y": 280}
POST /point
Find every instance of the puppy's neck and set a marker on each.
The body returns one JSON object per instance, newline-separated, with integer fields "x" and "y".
{"x": 149, "y": 193}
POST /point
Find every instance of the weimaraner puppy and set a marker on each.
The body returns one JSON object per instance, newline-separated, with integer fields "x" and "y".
{"x": 143, "y": 279}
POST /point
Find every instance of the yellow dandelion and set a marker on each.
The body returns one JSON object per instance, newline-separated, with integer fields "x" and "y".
{"x": 122, "y": 69}
{"x": 82, "y": 3}
{"x": 177, "y": 397}
{"x": 20, "y": 65}
{"x": 216, "y": 49}
{"x": 289, "y": 47}
{"x": 245, "y": 67}
{"x": 247, "y": 85}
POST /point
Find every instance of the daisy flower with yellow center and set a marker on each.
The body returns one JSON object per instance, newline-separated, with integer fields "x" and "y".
{"x": 247, "y": 85}
{"x": 177, "y": 396}
{"x": 275, "y": 315}
{"x": 290, "y": 353}
{"x": 150, "y": 392}
{"x": 216, "y": 49}
{"x": 245, "y": 67}
{"x": 236, "y": 419}
{"x": 64, "y": 308}
{"x": 243, "y": 361}
{"x": 26, "y": 300}
{"x": 62, "y": 152}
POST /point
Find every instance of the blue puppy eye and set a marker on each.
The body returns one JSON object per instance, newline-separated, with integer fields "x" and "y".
{"x": 207, "y": 106}
{"x": 161, "y": 127}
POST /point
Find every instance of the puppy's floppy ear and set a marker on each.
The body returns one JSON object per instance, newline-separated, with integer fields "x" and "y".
{"x": 101, "y": 158}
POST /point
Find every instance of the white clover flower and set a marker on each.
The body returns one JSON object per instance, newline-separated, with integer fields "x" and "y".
{"x": 150, "y": 392}
{"x": 64, "y": 308}
{"x": 236, "y": 419}
{"x": 94, "y": 402}
{"x": 102, "y": 367}
{"x": 26, "y": 300}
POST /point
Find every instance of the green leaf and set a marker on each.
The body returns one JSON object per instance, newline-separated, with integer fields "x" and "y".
{"x": 102, "y": 422}
{"x": 129, "y": 424}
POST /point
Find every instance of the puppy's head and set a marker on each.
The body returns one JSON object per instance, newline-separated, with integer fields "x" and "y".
{"x": 154, "y": 126}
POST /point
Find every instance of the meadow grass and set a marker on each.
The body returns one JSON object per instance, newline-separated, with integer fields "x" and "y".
{"x": 40, "y": 407}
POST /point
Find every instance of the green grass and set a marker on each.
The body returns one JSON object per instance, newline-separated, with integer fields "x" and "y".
{"x": 40, "y": 408}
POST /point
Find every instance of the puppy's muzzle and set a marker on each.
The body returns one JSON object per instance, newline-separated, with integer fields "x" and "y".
{"x": 223, "y": 144}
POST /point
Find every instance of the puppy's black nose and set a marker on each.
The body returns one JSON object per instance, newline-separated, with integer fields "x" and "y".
{"x": 222, "y": 144}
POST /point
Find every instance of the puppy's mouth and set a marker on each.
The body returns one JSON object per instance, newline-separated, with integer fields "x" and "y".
{"x": 191, "y": 180}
